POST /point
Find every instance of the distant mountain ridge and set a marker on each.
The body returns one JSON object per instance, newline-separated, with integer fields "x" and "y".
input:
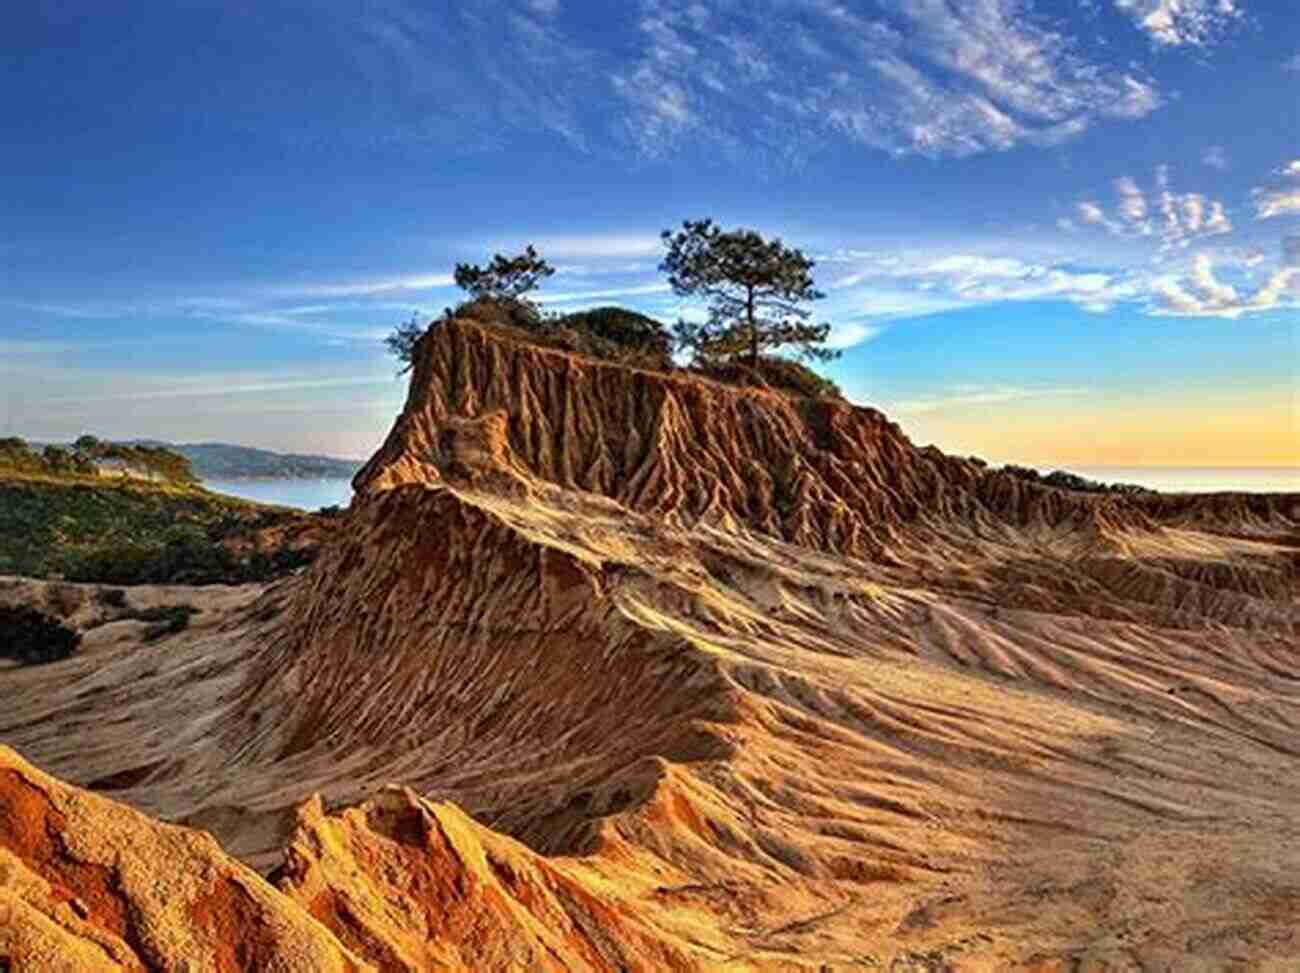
{"x": 226, "y": 461}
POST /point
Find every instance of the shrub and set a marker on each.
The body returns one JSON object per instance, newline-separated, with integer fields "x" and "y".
{"x": 624, "y": 329}
{"x": 1065, "y": 480}
{"x": 33, "y": 637}
{"x": 111, "y": 597}
{"x": 512, "y": 312}
{"x": 166, "y": 620}
{"x": 781, "y": 374}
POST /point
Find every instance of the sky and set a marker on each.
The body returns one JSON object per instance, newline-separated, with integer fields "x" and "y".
{"x": 1049, "y": 233}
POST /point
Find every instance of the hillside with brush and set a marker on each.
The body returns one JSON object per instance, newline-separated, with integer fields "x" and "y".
{"x": 135, "y": 514}
{"x": 614, "y": 668}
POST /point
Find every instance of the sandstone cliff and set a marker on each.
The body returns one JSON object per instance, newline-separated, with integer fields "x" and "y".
{"x": 682, "y": 676}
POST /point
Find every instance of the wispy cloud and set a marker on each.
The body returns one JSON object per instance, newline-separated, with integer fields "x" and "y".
{"x": 1282, "y": 196}
{"x": 925, "y": 284}
{"x": 571, "y": 297}
{"x": 357, "y": 288}
{"x": 928, "y": 78}
{"x": 1173, "y": 23}
{"x": 1175, "y": 219}
{"x": 216, "y": 385}
{"x": 966, "y": 396}
{"x": 594, "y": 246}
{"x": 1198, "y": 292}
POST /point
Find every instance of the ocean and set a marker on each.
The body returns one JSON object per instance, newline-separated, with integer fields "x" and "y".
{"x": 303, "y": 494}
{"x": 1195, "y": 479}
{"x": 314, "y": 494}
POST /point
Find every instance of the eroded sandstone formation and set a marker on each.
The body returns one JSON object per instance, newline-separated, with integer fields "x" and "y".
{"x": 676, "y": 676}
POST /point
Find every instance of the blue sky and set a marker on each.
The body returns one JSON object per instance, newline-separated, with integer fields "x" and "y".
{"x": 1048, "y": 232}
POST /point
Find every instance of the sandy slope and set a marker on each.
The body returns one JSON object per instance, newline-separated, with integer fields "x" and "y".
{"x": 725, "y": 682}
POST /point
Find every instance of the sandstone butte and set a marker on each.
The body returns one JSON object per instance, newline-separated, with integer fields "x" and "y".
{"x": 612, "y": 670}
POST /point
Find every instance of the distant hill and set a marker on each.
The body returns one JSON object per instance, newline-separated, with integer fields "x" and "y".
{"x": 225, "y": 461}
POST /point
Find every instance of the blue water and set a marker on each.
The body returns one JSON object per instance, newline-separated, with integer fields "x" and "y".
{"x": 304, "y": 494}
{"x": 314, "y": 494}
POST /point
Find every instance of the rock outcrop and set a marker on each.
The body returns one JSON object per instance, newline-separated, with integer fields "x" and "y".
{"x": 677, "y": 676}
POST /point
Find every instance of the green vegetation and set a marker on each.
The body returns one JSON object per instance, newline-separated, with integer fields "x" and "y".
{"x": 121, "y": 531}
{"x": 505, "y": 278}
{"x": 756, "y": 289}
{"x": 782, "y": 374}
{"x": 501, "y": 285}
{"x": 1064, "y": 480}
{"x": 164, "y": 620}
{"x": 90, "y": 457}
{"x": 32, "y": 637}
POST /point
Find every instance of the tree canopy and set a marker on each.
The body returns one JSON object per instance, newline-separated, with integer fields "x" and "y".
{"x": 757, "y": 291}
{"x": 502, "y": 282}
{"x": 401, "y": 342}
{"x": 505, "y": 278}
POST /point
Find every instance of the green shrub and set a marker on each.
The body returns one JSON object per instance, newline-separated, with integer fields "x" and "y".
{"x": 1065, "y": 480}
{"x": 782, "y": 374}
{"x": 165, "y": 620}
{"x": 623, "y": 329}
{"x": 111, "y": 597}
{"x": 33, "y": 637}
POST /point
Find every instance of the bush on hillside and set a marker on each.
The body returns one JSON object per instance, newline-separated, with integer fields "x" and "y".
{"x": 33, "y": 637}
{"x": 1065, "y": 480}
{"x": 636, "y": 333}
{"x": 87, "y": 452}
{"x": 614, "y": 335}
{"x": 782, "y": 374}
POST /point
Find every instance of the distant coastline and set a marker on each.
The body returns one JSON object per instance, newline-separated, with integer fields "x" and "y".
{"x": 229, "y": 462}
{"x": 1194, "y": 479}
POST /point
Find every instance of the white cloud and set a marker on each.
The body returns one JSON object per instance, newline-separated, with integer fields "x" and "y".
{"x": 966, "y": 396}
{"x": 209, "y": 387}
{"x": 1177, "y": 22}
{"x": 1132, "y": 204}
{"x": 1216, "y": 157}
{"x": 1176, "y": 218}
{"x": 593, "y": 246}
{"x": 849, "y": 333}
{"x": 1276, "y": 202}
{"x": 1292, "y": 63}
{"x": 570, "y": 297}
{"x": 931, "y": 78}
{"x": 910, "y": 285}
{"x": 1282, "y": 197}
{"x": 1198, "y": 292}
{"x": 384, "y": 285}
{"x": 547, "y": 8}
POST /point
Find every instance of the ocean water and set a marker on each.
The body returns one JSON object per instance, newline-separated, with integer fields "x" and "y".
{"x": 1196, "y": 479}
{"x": 314, "y": 494}
{"x": 303, "y": 494}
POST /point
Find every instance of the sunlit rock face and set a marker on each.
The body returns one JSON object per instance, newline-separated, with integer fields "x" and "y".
{"x": 677, "y": 676}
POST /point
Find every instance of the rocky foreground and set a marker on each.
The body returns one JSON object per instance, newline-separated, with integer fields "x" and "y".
{"x": 612, "y": 670}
